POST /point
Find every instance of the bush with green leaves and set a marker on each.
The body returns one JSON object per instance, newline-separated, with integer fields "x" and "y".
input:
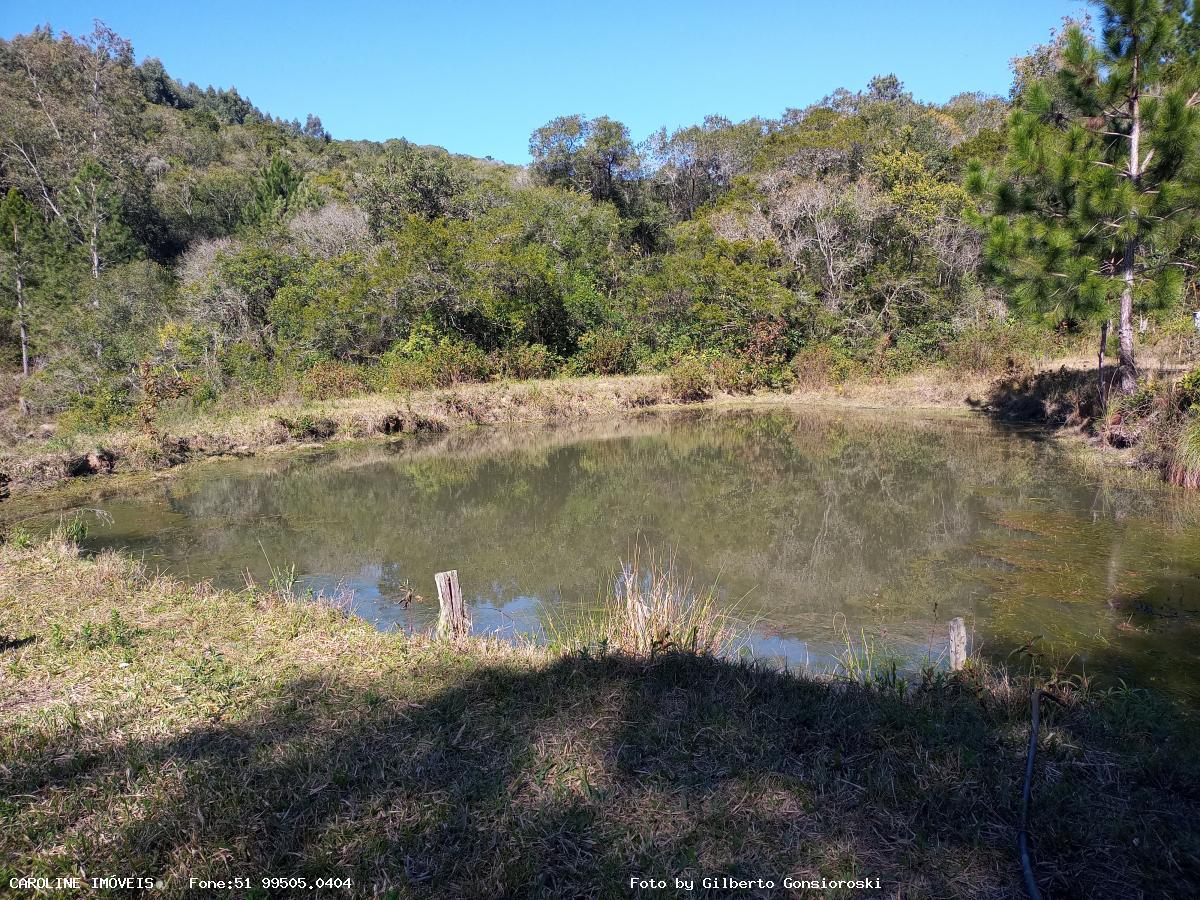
{"x": 1187, "y": 391}
{"x": 820, "y": 365}
{"x": 605, "y": 352}
{"x": 995, "y": 347}
{"x": 328, "y": 380}
{"x": 204, "y": 253}
{"x": 689, "y": 380}
{"x": 425, "y": 361}
{"x": 525, "y": 361}
{"x": 746, "y": 374}
{"x": 108, "y": 406}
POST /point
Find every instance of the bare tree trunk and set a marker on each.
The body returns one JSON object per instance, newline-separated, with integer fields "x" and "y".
{"x": 1126, "y": 366}
{"x": 94, "y": 247}
{"x": 21, "y": 325}
{"x": 20, "y": 284}
{"x": 1100, "y": 363}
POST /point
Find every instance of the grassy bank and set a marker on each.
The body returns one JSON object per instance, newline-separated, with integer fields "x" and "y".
{"x": 41, "y": 456}
{"x": 1149, "y": 430}
{"x": 1155, "y": 428}
{"x": 178, "y": 732}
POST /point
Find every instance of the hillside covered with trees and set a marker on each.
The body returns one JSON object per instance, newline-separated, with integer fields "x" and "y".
{"x": 165, "y": 244}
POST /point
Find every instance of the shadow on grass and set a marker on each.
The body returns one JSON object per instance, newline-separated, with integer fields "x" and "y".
{"x": 14, "y": 643}
{"x": 1063, "y": 397}
{"x": 566, "y": 780}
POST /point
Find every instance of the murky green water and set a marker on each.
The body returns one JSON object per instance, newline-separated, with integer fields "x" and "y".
{"x": 813, "y": 524}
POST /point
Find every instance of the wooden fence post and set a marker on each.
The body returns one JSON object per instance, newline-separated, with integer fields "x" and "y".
{"x": 452, "y": 613}
{"x": 958, "y": 644}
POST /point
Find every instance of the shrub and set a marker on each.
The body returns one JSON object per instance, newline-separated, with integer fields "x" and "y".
{"x": 745, "y": 375}
{"x": 328, "y": 380}
{"x": 995, "y": 348}
{"x": 820, "y": 365}
{"x": 689, "y": 381}
{"x": 439, "y": 364}
{"x": 1187, "y": 392}
{"x": 912, "y": 348}
{"x": 308, "y": 428}
{"x": 735, "y": 376}
{"x": 525, "y": 361}
{"x": 103, "y": 408}
{"x": 1138, "y": 405}
{"x": 251, "y": 375}
{"x": 604, "y": 353}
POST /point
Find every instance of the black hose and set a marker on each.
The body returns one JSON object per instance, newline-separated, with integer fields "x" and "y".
{"x": 1023, "y": 834}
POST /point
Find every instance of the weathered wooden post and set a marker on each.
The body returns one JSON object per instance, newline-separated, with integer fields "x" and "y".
{"x": 452, "y": 613}
{"x": 958, "y": 644}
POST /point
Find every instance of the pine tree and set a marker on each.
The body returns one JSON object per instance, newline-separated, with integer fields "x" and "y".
{"x": 273, "y": 194}
{"x": 1099, "y": 194}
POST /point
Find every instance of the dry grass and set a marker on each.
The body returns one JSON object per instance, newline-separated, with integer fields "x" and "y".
{"x": 934, "y": 389}
{"x": 654, "y": 610}
{"x": 185, "y": 732}
{"x": 1184, "y": 465}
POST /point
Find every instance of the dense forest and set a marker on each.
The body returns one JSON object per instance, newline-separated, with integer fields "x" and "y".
{"x": 169, "y": 244}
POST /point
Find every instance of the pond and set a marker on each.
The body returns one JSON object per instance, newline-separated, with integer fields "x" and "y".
{"x": 812, "y": 526}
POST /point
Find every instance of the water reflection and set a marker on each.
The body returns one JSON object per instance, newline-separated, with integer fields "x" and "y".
{"x": 816, "y": 523}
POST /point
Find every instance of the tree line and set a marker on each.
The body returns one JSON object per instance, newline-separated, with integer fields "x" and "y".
{"x": 167, "y": 244}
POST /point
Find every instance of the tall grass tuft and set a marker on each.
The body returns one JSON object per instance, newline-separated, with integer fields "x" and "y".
{"x": 872, "y": 663}
{"x": 1184, "y": 468}
{"x": 74, "y": 530}
{"x": 652, "y": 610}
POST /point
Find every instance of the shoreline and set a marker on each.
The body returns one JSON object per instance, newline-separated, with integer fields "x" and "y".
{"x": 38, "y": 466}
{"x": 318, "y": 747}
{"x": 58, "y": 464}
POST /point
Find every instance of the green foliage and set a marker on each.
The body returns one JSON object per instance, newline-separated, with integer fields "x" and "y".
{"x": 205, "y": 253}
{"x": 710, "y": 294}
{"x": 114, "y": 633}
{"x": 409, "y": 181}
{"x": 995, "y": 347}
{"x": 274, "y": 193}
{"x": 307, "y": 427}
{"x": 1078, "y": 220}
{"x": 524, "y": 361}
{"x": 20, "y": 537}
{"x": 921, "y": 197}
{"x": 74, "y": 530}
{"x": 104, "y": 407}
{"x": 689, "y": 380}
{"x": 1185, "y": 460}
{"x": 327, "y": 380}
{"x": 605, "y": 351}
{"x": 328, "y": 308}
{"x": 819, "y": 365}
{"x": 735, "y": 376}
{"x": 594, "y": 156}
{"x": 1187, "y": 391}
{"x": 252, "y": 376}
{"x": 423, "y": 361}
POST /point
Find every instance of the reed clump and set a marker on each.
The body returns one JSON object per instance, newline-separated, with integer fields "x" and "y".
{"x": 1184, "y": 467}
{"x": 653, "y": 609}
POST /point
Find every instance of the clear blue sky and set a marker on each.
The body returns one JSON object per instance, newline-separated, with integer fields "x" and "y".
{"x": 478, "y": 77}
